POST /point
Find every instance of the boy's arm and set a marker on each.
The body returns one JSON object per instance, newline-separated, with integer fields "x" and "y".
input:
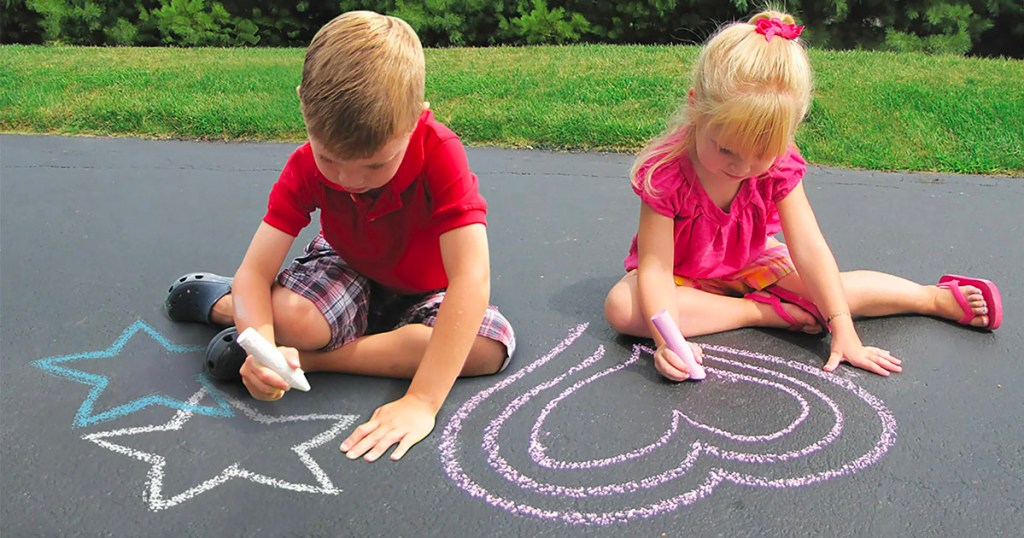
{"x": 250, "y": 292}
{"x": 818, "y": 269}
{"x": 655, "y": 283}
{"x": 467, "y": 264}
{"x": 408, "y": 420}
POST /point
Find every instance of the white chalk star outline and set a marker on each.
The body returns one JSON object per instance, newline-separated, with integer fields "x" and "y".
{"x": 153, "y": 494}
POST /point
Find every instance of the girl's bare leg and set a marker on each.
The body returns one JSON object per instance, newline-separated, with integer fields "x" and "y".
{"x": 700, "y": 312}
{"x": 873, "y": 293}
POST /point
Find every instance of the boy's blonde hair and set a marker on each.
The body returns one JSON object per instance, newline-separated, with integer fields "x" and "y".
{"x": 362, "y": 83}
{"x": 755, "y": 90}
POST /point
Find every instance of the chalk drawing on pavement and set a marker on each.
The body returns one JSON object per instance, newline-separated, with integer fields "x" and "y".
{"x": 849, "y": 430}
{"x": 87, "y": 415}
{"x": 153, "y": 492}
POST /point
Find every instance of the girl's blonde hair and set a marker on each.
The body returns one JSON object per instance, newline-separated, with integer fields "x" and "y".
{"x": 758, "y": 91}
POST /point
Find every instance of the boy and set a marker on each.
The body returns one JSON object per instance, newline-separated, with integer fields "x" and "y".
{"x": 397, "y": 283}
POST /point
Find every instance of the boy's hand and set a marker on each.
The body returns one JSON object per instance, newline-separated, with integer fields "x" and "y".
{"x": 406, "y": 422}
{"x": 262, "y": 382}
{"x": 868, "y": 358}
{"x": 672, "y": 366}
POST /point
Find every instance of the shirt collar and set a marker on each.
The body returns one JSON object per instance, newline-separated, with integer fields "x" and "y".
{"x": 388, "y": 199}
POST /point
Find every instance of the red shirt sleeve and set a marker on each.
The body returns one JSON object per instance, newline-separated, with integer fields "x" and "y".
{"x": 294, "y": 196}
{"x": 453, "y": 189}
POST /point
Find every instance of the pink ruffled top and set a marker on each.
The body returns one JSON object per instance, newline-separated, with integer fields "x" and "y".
{"x": 710, "y": 242}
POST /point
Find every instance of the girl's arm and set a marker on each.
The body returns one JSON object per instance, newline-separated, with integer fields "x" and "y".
{"x": 820, "y": 274}
{"x": 656, "y": 284}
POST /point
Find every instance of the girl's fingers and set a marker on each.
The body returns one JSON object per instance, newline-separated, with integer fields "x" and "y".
{"x": 833, "y": 361}
{"x": 671, "y": 372}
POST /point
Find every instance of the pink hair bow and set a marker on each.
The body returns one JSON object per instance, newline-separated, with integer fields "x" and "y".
{"x": 770, "y": 28}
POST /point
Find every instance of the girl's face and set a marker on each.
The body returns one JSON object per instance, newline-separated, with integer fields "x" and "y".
{"x": 358, "y": 176}
{"x": 723, "y": 160}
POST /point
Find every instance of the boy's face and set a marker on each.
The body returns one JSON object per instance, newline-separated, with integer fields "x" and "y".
{"x": 361, "y": 175}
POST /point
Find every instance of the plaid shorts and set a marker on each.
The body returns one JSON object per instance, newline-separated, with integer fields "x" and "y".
{"x": 356, "y": 306}
{"x": 773, "y": 264}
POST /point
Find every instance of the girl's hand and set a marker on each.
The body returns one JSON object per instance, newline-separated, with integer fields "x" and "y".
{"x": 668, "y": 364}
{"x": 869, "y": 358}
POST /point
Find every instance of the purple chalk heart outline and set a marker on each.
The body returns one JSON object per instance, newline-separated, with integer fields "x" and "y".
{"x": 450, "y": 442}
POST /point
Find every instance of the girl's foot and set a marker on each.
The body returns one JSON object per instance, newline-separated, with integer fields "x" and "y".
{"x": 947, "y": 307}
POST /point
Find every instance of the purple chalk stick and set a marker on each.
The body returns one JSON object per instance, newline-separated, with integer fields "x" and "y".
{"x": 670, "y": 332}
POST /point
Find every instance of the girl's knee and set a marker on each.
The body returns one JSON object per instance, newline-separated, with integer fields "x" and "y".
{"x": 298, "y": 322}
{"x": 618, "y": 309}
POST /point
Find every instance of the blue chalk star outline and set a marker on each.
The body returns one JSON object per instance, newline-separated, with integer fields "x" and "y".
{"x": 86, "y": 416}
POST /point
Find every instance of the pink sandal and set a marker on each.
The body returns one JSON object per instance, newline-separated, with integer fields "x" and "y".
{"x": 988, "y": 290}
{"x": 775, "y": 301}
{"x": 806, "y": 304}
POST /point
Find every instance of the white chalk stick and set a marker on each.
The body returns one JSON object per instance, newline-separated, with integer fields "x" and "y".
{"x": 271, "y": 357}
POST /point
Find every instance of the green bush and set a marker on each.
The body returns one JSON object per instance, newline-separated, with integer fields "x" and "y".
{"x": 79, "y": 22}
{"x": 539, "y": 25}
{"x": 988, "y": 27}
{"x": 198, "y": 23}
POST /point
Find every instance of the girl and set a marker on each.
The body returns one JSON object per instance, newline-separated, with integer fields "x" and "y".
{"x": 725, "y": 178}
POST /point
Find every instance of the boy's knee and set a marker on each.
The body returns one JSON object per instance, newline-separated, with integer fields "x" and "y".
{"x": 298, "y": 322}
{"x": 486, "y": 357}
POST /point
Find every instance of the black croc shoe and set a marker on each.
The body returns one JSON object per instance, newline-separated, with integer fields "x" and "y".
{"x": 192, "y": 296}
{"x": 224, "y": 357}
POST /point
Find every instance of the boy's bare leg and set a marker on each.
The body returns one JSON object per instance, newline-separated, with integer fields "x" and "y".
{"x": 398, "y": 353}
{"x": 299, "y": 324}
{"x": 700, "y": 312}
{"x": 873, "y": 293}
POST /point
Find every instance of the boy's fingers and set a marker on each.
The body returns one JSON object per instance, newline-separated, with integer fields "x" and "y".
{"x": 270, "y": 378}
{"x": 358, "y": 434}
{"x": 291, "y": 355}
{"x": 264, "y": 394}
{"x": 384, "y": 444}
{"x": 257, "y": 387}
{"x": 366, "y": 443}
{"x": 404, "y": 445}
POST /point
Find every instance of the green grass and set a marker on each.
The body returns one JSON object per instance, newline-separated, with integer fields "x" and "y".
{"x": 871, "y": 110}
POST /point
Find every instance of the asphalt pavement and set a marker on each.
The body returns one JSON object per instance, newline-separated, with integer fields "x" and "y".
{"x": 109, "y": 428}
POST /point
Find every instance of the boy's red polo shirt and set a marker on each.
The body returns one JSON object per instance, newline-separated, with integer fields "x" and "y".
{"x": 392, "y": 239}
